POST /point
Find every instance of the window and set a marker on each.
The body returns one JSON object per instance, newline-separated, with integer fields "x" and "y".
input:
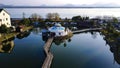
{"x": 7, "y": 23}
{"x": 6, "y": 19}
{"x": 59, "y": 33}
{"x": 3, "y": 14}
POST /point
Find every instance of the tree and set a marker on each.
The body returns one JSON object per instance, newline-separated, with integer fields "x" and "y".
{"x": 49, "y": 16}
{"x": 35, "y": 17}
{"x": 53, "y": 17}
{"x": 26, "y": 22}
{"x": 56, "y": 16}
{"x": 4, "y": 29}
{"x": 115, "y": 20}
{"x": 79, "y": 18}
{"x": 23, "y": 15}
{"x": 76, "y": 18}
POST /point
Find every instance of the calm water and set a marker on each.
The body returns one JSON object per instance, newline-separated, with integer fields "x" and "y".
{"x": 84, "y": 50}
{"x": 64, "y": 12}
{"x": 25, "y": 51}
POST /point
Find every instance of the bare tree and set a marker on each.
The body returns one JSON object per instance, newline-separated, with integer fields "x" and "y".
{"x": 50, "y": 16}
{"x": 35, "y": 17}
{"x": 53, "y": 16}
{"x": 56, "y": 16}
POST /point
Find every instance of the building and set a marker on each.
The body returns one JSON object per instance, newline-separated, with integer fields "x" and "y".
{"x": 5, "y": 18}
{"x": 58, "y": 30}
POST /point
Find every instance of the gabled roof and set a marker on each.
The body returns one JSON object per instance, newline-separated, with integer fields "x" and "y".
{"x": 3, "y": 10}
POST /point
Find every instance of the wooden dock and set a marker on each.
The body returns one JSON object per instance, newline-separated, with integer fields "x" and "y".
{"x": 90, "y": 29}
{"x": 49, "y": 57}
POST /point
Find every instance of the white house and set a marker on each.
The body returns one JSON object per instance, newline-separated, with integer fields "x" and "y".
{"x": 5, "y": 18}
{"x": 58, "y": 30}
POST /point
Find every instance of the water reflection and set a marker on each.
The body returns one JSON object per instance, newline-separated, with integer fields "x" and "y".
{"x": 59, "y": 40}
{"x": 36, "y": 30}
{"x": 44, "y": 38}
{"x": 112, "y": 39}
{"x": 7, "y": 46}
{"x": 93, "y": 33}
{"x": 23, "y": 35}
{"x": 115, "y": 49}
{"x": 27, "y": 53}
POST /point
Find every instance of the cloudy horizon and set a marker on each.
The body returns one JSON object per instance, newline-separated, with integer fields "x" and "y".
{"x": 60, "y": 2}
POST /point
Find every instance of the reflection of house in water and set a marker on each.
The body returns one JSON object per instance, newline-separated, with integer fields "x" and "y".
{"x": 6, "y": 47}
{"x": 44, "y": 38}
{"x": 45, "y": 32}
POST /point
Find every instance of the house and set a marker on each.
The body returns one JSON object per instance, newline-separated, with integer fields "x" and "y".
{"x": 5, "y": 18}
{"x": 58, "y": 30}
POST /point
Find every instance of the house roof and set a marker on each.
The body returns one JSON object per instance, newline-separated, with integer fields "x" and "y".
{"x": 1, "y": 10}
{"x": 56, "y": 29}
{"x": 4, "y": 10}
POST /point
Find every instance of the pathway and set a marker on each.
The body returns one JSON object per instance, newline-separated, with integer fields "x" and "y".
{"x": 48, "y": 59}
{"x": 90, "y": 29}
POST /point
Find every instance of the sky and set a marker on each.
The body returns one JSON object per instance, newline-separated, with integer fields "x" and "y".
{"x": 57, "y": 2}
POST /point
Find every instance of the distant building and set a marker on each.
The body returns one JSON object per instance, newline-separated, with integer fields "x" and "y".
{"x": 5, "y": 18}
{"x": 58, "y": 30}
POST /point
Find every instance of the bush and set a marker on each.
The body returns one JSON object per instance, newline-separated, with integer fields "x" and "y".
{"x": 4, "y": 29}
{"x": 25, "y": 21}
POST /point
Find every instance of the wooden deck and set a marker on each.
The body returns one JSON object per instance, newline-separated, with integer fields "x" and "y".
{"x": 49, "y": 57}
{"x": 90, "y": 29}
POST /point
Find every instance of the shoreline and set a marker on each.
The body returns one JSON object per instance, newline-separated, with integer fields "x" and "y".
{"x": 5, "y": 37}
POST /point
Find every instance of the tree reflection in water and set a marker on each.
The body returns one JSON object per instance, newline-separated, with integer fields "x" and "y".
{"x": 23, "y": 35}
{"x": 36, "y": 30}
{"x": 7, "y": 45}
{"x": 115, "y": 49}
{"x": 112, "y": 39}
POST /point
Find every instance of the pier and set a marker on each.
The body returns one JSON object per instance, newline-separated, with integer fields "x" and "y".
{"x": 49, "y": 55}
{"x": 90, "y": 29}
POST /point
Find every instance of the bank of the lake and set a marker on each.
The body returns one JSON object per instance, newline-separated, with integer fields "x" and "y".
{"x": 6, "y": 36}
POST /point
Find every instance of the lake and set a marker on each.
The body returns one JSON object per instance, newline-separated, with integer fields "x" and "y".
{"x": 85, "y": 50}
{"x": 64, "y": 12}
{"x": 82, "y": 50}
{"x": 23, "y": 51}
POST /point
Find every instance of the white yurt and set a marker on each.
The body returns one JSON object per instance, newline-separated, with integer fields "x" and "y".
{"x": 58, "y": 30}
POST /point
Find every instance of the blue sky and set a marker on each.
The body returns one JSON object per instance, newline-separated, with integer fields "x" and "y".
{"x": 58, "y": 2}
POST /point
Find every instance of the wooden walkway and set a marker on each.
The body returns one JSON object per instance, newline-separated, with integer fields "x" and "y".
{"x": 90, "y": 29}
{"x": 49, "y": 57}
